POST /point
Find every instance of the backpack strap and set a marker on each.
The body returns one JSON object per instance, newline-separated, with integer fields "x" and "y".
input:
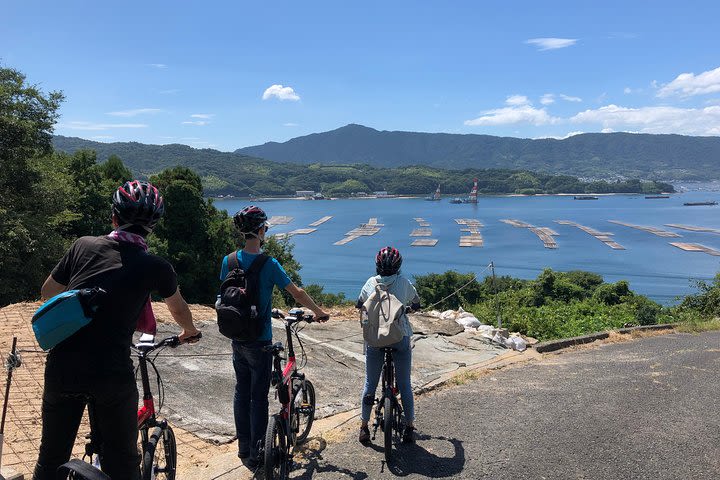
{"x": 233, "y": 261}
{"x": 258, "y": 264}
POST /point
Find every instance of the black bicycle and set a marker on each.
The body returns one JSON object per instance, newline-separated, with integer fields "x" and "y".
{"x": 157, "y": 439}
{"x": 291, "y": 425}
{"x": 388, "y": 410}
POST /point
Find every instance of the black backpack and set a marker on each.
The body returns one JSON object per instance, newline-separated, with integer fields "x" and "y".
{"x": 237, "y": 307}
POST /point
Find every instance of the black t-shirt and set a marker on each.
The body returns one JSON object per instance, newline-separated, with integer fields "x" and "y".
{"x": 128, "y": 274}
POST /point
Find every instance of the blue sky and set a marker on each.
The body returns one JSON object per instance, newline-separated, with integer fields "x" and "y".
{"x": 231, "y": 74}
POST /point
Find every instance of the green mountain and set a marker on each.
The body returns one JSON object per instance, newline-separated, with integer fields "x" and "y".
{"x": 226, "y": 173}
{"x": 593, "y": 155}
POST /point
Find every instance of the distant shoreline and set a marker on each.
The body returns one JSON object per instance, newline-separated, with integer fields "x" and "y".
{"x": 406, "y": 197}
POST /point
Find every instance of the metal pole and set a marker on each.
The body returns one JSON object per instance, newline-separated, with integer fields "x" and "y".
{"x": 497, "y": 299}
{"x": 11, "y": 364}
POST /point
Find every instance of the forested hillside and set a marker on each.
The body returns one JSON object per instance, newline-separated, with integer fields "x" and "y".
{"x": 226, "y": 173}
{"x": 593, "y": 155}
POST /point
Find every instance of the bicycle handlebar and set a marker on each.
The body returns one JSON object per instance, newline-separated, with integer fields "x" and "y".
{"x": 294, "y": 316}
{"x": 171, "y": 342}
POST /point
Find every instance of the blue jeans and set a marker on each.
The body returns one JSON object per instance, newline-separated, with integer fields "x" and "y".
{"x": 374, "y": 359}
{"x": 252, "y": 367}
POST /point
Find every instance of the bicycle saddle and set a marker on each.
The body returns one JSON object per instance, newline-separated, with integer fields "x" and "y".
{"x": 276, "y": 347}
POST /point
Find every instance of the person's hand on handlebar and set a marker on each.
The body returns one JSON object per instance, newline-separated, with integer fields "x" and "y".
{"x": 190, "y": 335}
{"x": 321, "y": 316}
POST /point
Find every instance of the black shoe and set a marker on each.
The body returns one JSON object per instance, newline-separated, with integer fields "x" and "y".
{"x": 364, "y": 436}
{"x": 408, "y": 435}
{"x": 251, "y": 463}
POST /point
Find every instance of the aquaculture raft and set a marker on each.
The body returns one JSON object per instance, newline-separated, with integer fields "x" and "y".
{"x": 693, "y": 228}
{"x": 655, "y": 231}
{"x": 424, "y": 231}
{"x": 696, "y": 247}
{"x": 472, "y": 228}
{"x": 602, "y": 236}
{"x": 317, "y": 223}
{"x": 280, "y": 220}
{"x": 364, "y": 230}
{"x": 544, "y": 233}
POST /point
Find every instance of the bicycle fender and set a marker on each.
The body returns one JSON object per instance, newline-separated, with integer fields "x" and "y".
{"x": 84, "y": 469}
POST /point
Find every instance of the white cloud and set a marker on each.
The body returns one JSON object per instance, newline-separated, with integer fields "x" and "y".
{"x": 684, "y": 121}
{"x": 547, "y": 99}
{"x": 290, "y": 124}
{"x": 516, "y": 100}
{"x": 688, "y": 84}
{"x": 199, "y": 123}
{"x": 569, "y": 98}
{"x": 281, "y": 93}
{"x": 551, "y": 43}
{"x": 99, "y": 126}
{"x": 607, "y": 130}
{"x": 556, "y": 137}
{"x": 157, "y": 65}
{"x": 102, "y": 137}
{"x": 627, "y": 91}
{"x": 134, "y": 112}
{"x": 513, "y": 115}
{"x": 202, "y": 115}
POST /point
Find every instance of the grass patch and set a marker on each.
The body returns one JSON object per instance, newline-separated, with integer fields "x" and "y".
{"x": 698, "y": 325}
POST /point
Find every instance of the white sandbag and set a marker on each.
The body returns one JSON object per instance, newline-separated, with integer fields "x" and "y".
{"x": 518, "y": 343}
{"x": 448, "y": 315}
{"x": 465, "y": 314}
{"x": 485, "y": 331}
{"x": 433, "y": 313}
{"x": 468, "y": 321}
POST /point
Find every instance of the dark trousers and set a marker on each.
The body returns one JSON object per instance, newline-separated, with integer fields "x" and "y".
{"x": 252, "y": 372}
{"x": 114, "y": 414}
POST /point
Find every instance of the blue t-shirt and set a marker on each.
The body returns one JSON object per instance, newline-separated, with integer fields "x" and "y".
{"x": 272, "y": 274}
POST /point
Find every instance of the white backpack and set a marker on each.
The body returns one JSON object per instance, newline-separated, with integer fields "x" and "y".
{"x": 381, "y": 315}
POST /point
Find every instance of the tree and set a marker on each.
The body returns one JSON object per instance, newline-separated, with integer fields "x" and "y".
{"x": 193, "y": 235}
{"x": 115, "y": 170}
{"x": 29, "y": 245}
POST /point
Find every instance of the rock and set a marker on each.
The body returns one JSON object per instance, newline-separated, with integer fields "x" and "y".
{"x": 429, "y": 325}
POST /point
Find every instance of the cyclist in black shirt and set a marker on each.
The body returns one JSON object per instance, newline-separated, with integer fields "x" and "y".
{"x": 94, "y": 364}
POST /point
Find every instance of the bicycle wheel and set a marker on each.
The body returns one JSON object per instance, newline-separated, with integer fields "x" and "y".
{"x": 304, "y": 411}
{"x": 388, "y": 426}
{"x": 160, "y": 455}
{"x": 276, "y": 452}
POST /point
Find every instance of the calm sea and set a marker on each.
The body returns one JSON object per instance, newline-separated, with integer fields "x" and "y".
{"x": 651, "y": 265}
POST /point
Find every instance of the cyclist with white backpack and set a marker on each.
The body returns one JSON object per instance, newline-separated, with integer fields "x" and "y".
{"x": 389, "y": 284}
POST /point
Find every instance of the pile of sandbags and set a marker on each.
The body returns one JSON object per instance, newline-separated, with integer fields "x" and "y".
{"x": 466, "y": 319}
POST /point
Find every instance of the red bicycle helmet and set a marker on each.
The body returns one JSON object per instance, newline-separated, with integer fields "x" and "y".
{"x": 388, "y": 261}
{"x": 138, "y": 203}
{"x": 250, "y": 219}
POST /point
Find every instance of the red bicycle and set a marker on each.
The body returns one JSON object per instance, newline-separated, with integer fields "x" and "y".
{"x": 157, "y": 440}
{"x": 291, "y": 425}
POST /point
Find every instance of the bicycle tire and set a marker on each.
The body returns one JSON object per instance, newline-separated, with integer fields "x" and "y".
{"x": 160, "y": 455}
{"x": 276, "y": 451}
{"x": 388, "y": 427}
{"x": 305, "y": 415}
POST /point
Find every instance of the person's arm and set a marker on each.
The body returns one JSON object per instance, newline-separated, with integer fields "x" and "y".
{"x": 181, "y": 314}
{"x": 304, "y": 299}
{"x": 51, "y": 288}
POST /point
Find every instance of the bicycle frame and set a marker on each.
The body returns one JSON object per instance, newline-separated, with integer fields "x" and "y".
{"x": 389, "y": 390}
{"x": 283, "y": 377}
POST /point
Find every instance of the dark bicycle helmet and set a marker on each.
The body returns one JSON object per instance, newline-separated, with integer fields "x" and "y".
{"x": 388, "y": 261}
{"x": 138, "y": 203}
{"x": 250, "y": 219}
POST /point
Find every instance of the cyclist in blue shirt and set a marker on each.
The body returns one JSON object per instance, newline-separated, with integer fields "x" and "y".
{"x": 252, "y": 365}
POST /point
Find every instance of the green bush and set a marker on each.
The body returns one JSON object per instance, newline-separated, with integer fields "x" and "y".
{"x": 326, "y": 299}
{"x": 434, "y": 287}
